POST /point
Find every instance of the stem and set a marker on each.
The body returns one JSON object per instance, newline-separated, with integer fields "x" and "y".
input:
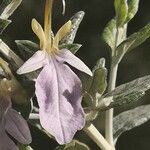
{"x": 109, "y": 113}
{"x": 111, "y": 86}
{"x": 95, "y": 135}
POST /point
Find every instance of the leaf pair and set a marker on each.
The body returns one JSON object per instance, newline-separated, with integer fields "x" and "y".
{"x": 132, "y": 42}
{"x": 125, "y": 44}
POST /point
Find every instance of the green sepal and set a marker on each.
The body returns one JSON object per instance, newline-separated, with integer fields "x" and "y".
{"x": 72, "y": 47}
{"x": 121, "y": 8}
{"x": 99, "y": 82}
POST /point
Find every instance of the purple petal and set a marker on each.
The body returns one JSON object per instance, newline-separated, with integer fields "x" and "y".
{"x": 4, "y": 105}
{"x": 66, "y": 56}
{"x": 6, "y": 143}
{"x": 38, "y": 60}
{"x": 58, "y": 91}
{"x": 17, "y": 127}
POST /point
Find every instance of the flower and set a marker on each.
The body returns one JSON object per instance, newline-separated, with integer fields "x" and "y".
{"x": 11, "y": 121}
{"x": 58, "y": 88}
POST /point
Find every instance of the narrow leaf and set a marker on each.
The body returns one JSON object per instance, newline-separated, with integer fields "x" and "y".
{"x": 130, "y": 119}
{"x": 9, "y": 54}
{"x": 129, "y": 92}
{"x": 132, "y": 10}
{"x": 27, "y": 48}
{"x": 132, "y": 42}
{"x": 76, "y": 20}
{"x": 9, "y": 9}
{"x": 121, "y": 8}
{"x": 15, "y": 60}
{"x": 110, "y": 33}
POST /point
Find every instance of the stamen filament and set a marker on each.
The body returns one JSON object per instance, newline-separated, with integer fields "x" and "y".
{"x": 48, "y": 20}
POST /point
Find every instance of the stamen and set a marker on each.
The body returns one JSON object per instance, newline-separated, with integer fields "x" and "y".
{"x": 48, "y": 18}
{"x": 37, "y": 29}
{"x": 62, "y": 33}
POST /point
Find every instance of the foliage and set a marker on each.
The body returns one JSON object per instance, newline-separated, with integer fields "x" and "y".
{"x": 96, "y": 97}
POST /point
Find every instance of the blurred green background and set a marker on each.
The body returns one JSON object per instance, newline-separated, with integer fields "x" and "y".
{"x": 98, "y": 13}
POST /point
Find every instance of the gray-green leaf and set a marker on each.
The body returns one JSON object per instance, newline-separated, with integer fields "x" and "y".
{"x": 121, "y": 8}
{"x": 113, "y": 37}
{"x": 76, "y": 20}
{"x": 109, "y": 33}
{"x": 8, "y": 7}
{"x": 130, "y": 119}
{"x": 132, "y": 42}
{"x": 129, "y": 92}
{"x": 27, "y": 48}
{"x": 3, "y": 24}
{"x": 72, "y": 47}
{"x": 132, "y": 9}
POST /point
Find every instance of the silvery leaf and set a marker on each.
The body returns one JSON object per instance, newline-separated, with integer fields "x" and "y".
{"x": 130, "y": 119}
{"x": 27, "y": 48}
{"x": 76, "y": 20}
{"x": 127, "y": 93}
{"x": 8, "y": 7}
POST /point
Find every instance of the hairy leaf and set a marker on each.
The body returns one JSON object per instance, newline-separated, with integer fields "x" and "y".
{"x": 3, "y": 24}
{"x": 109, "y": 33}
{"x": 127, "y": 93}
{"x": 132, "y": 10}
{"x": 27, "y": 48}
{"x": 76, "y": 20}
{"x": 130, "y": 119}
{"x": 72, "y": 47}
{"x": 132, "y": 42}
{"x": 121, "y": 8}
{"x": 15, "y": 60}
{"x": 8, "y": 7}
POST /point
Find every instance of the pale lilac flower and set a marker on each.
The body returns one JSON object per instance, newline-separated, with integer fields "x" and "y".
{"x": 12, "y": 123}
{"x": 58, "y": 89}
